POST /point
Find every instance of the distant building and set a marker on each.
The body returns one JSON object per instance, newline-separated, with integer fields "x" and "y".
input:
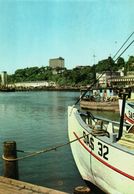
{"x": 58, "y": 71}
{"x": 130, "y": 73}
{"x": 56, "y": 62}
{"x": 105, "y": 79}
{"x": 3, "y": 78}
{"x": 124, "y": 81}
{"x": 121, "y": 71}
{"x": 33, "y": 84}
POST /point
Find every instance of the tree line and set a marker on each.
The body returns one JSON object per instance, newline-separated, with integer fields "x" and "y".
{"x": 76, "y": 77}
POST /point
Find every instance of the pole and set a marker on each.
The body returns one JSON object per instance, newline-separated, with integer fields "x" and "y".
{"x": 10, "y": 167}
{"x": 122, "y": 116}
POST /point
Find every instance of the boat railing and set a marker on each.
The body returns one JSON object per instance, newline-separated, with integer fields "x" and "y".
{"x": 114, "y": 122}
{"x": 89, "y": 114}
{"x": 103, "y": 126}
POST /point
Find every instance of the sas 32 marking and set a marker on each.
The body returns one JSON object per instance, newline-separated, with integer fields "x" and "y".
{"x": 103, "y": 150}
{"x": 131, "y": 114}
{"x": 88, "y": 141}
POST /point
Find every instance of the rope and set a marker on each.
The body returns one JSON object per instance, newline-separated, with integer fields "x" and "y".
{"x": 40, "y": 151}
{"x": 23, "y": 151}
{"x": 101, "y": 132}
{"x": 124, "y": 50}
{"x": 123, "y": 45}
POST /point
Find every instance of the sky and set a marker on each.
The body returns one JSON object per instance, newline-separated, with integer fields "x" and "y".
{"x": 83, "y": 32}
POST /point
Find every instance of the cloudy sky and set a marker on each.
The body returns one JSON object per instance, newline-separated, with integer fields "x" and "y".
{"x": 33, "y": 31}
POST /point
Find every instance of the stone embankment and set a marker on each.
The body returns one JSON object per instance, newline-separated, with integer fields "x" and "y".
{"x": 13, "y": 89}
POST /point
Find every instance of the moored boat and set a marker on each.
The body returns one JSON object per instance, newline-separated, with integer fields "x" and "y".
{"x": 129, "y": 108}
{"x": 100, "y": 106}
{"x": 101, "y": 100}
{"x": 129, "y": 111}
{"x": 103, "y": 151}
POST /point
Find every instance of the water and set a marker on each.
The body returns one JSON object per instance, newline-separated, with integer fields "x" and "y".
{"x": 36, "y": 120}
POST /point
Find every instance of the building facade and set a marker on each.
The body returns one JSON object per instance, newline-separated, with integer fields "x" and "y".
{"x": 33, "y": 84}
{"x": 57, "y": 62}
{"x": 105, "y": 78}
{"x": 124, "y": 81}
{"x": 116, "y": 79}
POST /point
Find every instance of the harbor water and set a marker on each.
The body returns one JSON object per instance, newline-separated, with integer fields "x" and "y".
{"x": 38, "y": 120}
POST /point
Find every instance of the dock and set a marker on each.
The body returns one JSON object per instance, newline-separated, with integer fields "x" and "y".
{"x": 11, "y": 186}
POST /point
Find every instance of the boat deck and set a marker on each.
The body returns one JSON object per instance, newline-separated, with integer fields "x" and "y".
{"x": 127, "y": 140}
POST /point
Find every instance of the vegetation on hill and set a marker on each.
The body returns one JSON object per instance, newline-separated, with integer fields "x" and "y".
{"x": 78, "y": 76}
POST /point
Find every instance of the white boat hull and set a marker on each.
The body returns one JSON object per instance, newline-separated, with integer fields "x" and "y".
{"x": 99, "y": 162}
{"x": 129, "y": 111}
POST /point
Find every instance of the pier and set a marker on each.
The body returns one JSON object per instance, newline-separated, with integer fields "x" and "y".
{"x": 8, "y": 186}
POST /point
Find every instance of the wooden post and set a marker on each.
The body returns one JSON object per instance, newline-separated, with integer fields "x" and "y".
{"x": 82, "y": 190}
{"x": 10, "y": 167}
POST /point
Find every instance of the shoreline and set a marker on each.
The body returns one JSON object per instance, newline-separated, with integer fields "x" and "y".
{"x": 21, "y": 89}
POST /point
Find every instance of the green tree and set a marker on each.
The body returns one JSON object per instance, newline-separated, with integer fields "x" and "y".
{"x": 130, "y": 64}
{"x": 120, "y": 63}
{"x": 105, "y": 65}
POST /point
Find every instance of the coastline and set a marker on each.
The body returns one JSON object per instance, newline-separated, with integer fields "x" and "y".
{"x": 21, "y": 89}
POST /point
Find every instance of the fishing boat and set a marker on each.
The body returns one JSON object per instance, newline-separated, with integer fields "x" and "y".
{"x": 129, "y": 108}
{"x": 103, "y": 150}
{"x": 101, "y": 100}
{"x": 129, "y": 111}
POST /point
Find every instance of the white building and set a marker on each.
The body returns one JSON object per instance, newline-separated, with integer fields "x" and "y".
{"x": 36, "y": 84}
{"x": 104, "y": 78}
